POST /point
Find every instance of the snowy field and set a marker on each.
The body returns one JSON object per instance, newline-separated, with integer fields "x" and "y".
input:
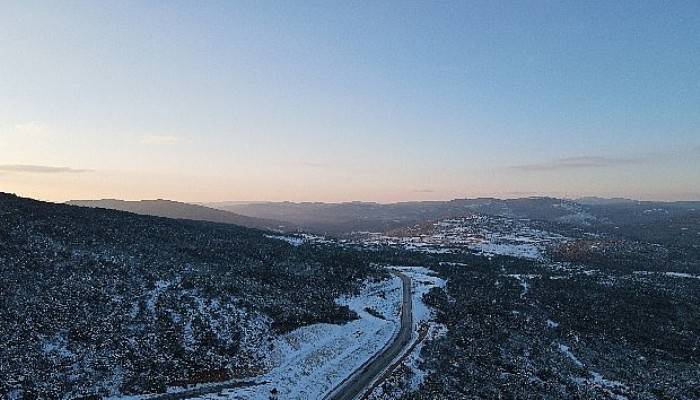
{"x": 484, "y": 235}
{"x": 524, "y": 250}
{"x": 312, "y": 360}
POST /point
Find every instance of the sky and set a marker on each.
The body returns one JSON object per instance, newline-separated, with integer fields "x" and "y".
{"x": 344, "y": 100}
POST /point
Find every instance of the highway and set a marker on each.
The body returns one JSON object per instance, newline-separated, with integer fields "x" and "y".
{"x": 358, "y": 383}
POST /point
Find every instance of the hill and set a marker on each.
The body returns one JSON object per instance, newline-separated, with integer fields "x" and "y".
{"x": 100, "y": 302}
{"x": 344, "y": 218}
{"x": 340, "y": 218}
{"x": 179, "y": 210}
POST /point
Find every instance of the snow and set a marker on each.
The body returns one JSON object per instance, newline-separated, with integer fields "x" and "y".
{"x": 312, "y": 360}
{"x": 681, "y": 275}
{"x": 15, "y": 394}
{"x": 522, "y": 279}
{"x": 422, "y": 279}
{"x": 413, "y": 360}
{"x": 221, "y": 316}
{"x": 596, "y": 378}
{"x": 485, "y": 235}
{"x": 605, "y": 384}
{"x": 153, "y": 295}
{"x": 656, "y": 211}
{"x": 551, "y": 324}
{"x": 293, "y": 240}
{"x": 669, "y": 274}
{"x": 301, "y": 238}
{"x": 529, "y": 251}
{"x": 430, "y": 249}
{"x": 599, "y": 380}
{"x": 453, "y": 264}
{"x": 57, "y": 345}
{"x": 567, "y": 352}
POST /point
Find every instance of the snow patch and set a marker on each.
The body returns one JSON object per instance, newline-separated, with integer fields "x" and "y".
{"x": 529, "y": 251}
{"x": 153, "y": 295}
{"x": 669, "y": 274}
{"x": 606, "y": 385}
{"x": 567, "y": 352}
{"x": 413, "y": 360}
{"x": 293, "y": 240}
{"x": 681, "y": 275}
{"x": 596, "y": 379}
{"x": 522, "y": 279}
{"x": 58, "y": 345}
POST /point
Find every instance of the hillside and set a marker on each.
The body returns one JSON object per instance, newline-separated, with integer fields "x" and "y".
{"x": 100, "y": 302}
{"x": 179, "y": 210}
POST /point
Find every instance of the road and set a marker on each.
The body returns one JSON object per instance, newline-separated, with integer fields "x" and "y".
{"x": 353, "y": 386}
{"x": 359, "y": 382}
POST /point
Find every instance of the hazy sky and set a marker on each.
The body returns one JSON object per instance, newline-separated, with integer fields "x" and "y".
{"x": 340, "y": 100}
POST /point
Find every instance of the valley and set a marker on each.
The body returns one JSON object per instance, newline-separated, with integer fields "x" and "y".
{"x": 515, "y": 302}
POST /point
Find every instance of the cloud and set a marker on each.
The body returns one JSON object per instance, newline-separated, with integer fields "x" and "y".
{"x": 160, "y": 139}
{"x": 604, "y": 162}
{"x": 40, "y": 169}
{"x": 579, "y": 163}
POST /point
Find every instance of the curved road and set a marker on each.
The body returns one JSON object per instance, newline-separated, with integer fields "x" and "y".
{"x": 358, "y": 383}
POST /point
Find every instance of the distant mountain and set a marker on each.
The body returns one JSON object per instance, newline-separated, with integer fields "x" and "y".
{"x": 179, "y": 210}
{"x": 339, "y": 218}
{"x": 601, "y": 201}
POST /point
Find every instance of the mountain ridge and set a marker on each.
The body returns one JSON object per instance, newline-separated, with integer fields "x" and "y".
{"x": 180, "y": 210}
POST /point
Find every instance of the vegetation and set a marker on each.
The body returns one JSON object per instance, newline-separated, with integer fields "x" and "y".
{"x": 640, "y": 335}
{"x": 98, "y": 302}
